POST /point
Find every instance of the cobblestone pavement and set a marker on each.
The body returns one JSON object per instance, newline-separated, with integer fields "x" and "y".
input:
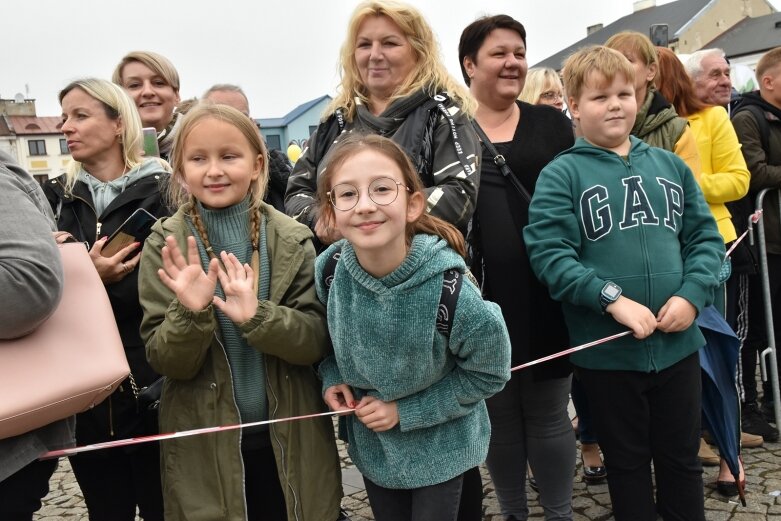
{"x": 590, "y": 502}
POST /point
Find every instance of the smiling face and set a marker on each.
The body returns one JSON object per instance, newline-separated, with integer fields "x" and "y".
{"x": 383, "y": 55}
{"x": 89, "y": 132}
{"x": 154, "y": 97}
{"x": 218, "y": 163}
{"x": 714, "y": 85}
{"x": 499, "y": 69}
{"x": 373, "y": 229}
{"x": 606, "y": 111}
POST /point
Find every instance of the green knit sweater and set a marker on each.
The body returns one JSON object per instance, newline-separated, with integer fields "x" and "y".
{"x": 229, "y": 230}
{"x": 386, "y": 345}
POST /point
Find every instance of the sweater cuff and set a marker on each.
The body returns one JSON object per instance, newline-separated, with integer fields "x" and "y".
{"x": 410, "y": 413}
{"x": 697, "y": 294}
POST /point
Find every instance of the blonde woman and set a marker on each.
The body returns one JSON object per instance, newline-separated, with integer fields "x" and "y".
{"x": 106, "y": 182}
{"x": 543, "y": 87}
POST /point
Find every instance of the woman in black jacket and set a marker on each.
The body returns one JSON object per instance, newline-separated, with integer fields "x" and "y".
{"x": 106, "y": 182}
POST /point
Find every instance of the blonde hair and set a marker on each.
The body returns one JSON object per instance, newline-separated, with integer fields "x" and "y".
{"x": 636, "y": 43}
{"x": 768, "y": 61}
{"x": 595, "y": 59}
{"x": 429, "y": 73}
{"x": 356, "y": 143}
{"x": 177, "y": 192}
{"x": 118, "y": 106}
{"x": 159, "y": 64}
{"x": 539, "y": 80}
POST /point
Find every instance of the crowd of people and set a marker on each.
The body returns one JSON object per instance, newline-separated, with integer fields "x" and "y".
{"x": 431, "y": 236}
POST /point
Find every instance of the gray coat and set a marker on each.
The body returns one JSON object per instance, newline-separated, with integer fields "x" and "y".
{"x": 31, "y": 278}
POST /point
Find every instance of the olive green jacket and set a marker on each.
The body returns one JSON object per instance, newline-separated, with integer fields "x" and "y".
{"x": 203, "y": 476}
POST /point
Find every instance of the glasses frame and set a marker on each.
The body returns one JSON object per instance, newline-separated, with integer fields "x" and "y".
{"x": 330, "y": 196}
{"x": 550, "y": 95}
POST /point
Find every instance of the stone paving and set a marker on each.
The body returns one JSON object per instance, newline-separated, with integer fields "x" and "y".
{"x": 590, "y": 502}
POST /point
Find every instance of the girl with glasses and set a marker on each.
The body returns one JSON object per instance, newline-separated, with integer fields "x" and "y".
{"x": 420, "y": 420}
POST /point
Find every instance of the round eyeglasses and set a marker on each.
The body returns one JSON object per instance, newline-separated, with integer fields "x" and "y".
{"x": 382, "y": 191}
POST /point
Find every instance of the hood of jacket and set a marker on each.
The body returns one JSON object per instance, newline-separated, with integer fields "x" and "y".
{"x": 754, "y": 98}
{"x": 104, "y": 192}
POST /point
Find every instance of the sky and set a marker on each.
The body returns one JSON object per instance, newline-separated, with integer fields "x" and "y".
{"x": 281, "y": 53}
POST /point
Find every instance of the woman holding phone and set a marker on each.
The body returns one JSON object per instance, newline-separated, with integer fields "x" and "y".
{"x": 107, "y": 181}
{"x": 153, "y": 83}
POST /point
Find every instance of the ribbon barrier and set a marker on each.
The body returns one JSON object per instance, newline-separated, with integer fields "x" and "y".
{"x": 755, "y": 217}
{"x": 222, "y": 428}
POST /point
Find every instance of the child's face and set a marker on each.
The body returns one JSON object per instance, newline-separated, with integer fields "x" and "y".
{"x": 219, "y": 164}
{"x": 377, "y": 223}
{"x": 606, "y": 111}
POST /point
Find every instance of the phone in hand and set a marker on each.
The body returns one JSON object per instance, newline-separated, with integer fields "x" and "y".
{"x": 151, "y": 149}
{"x": 136, "y": 228}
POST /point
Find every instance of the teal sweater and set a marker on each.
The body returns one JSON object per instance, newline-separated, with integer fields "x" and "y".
{"x": 386, "y": 345}
{"x": 641, "y": 223}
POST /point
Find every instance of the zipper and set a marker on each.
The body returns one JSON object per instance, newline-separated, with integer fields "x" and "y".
{"x": 110, "y": 417}
{"x": 273, "y": 433}
{"x": 98, "y": 224}
{"x": 241, "y": 431}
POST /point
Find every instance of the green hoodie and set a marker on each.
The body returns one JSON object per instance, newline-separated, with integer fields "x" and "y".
{"x": 640, "y": 222}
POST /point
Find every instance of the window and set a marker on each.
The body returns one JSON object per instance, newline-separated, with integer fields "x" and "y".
{"x": 64, "y": 147}
{"x": 273, "y": 142}
{"x": 37, "y": 147}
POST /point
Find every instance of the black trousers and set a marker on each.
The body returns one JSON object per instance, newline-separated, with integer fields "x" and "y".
{"x": 262, "y": 490}
{"x": 115, "y": 481}
{"x": 757, "y": 341}
{"x": 21, "y": 492}
{"x": 650, "y": 417}
{"x": 438, "y": 502}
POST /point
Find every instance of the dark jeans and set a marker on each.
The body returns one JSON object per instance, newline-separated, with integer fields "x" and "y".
{"x": 115, "y": 481}
{"x": 757, "y": 341}
{"x": 530, "y": 423}
{"x": 471, "y": 508}
{"x": 583, "y": 410}
{"x": 21, "y": 492}
{"x": 644, "y": 417}
{"x": 433, "y": 503}
{"x": 265, "y": 500}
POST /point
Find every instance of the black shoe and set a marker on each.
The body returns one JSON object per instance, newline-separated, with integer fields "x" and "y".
{"x": 768, "y": 412}
{"x": 753, "y": 422}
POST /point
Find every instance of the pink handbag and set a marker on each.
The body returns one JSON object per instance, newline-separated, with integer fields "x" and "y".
{"x": 72, "y": 362}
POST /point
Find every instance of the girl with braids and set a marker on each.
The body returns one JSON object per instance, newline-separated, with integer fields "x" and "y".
{"x": 420, "y": 418}
{"x": 232, "y": 320}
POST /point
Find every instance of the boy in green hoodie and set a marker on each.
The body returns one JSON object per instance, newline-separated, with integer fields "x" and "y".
{"x": 620, "y": 233}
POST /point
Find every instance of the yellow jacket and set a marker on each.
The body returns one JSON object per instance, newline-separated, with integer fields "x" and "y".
{"x": 723, "y": 176}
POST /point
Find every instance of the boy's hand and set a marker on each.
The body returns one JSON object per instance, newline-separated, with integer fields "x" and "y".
{"x": 633, "y": 315}
{"x": 677, "y": 314}
{"x": 339, "y": 397}
{"x": 377, "y": 415}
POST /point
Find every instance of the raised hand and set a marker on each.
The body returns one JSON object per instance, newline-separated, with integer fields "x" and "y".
{"x": 185, "y": 277}
{"x": 238, "y": 284}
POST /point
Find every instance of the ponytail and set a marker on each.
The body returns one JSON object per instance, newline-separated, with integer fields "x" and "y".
{"x": 431, "y": 225}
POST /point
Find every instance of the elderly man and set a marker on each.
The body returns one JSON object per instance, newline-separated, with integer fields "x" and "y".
{"x": 709, "y": 70}
{"x": 227, "y": 94}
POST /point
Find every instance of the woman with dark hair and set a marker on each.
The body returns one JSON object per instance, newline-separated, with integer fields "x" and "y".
{"x": 724, "y": 177}
{"x": 529, "y": 419}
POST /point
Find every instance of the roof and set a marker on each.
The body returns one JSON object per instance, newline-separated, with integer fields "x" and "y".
{"x": 4, "y": 130}
{"x": 23, "y": 125}
{"x": 292, "y": 115}
{"x": 675, "y": 15}
{"x": 750, "y": 36}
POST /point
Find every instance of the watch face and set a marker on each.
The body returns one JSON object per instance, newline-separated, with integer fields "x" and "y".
{"x": 611, "y": 291}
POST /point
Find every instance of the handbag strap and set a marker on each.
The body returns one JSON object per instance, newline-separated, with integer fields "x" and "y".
{"x": 501, "y": 162}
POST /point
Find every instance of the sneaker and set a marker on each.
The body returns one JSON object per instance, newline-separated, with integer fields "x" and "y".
{"x": 753, "y": 422}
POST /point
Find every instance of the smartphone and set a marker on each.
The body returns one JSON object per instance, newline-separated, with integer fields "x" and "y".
{"x": 135, "y": 229}
{"x": 150, "y": 142}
